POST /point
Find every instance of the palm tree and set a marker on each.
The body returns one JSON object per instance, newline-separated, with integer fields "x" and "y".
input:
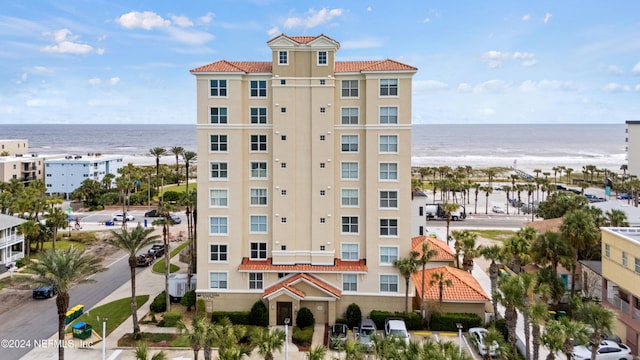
{"x": 56, "y": 219}
{"x": 528, "y": 286}
{"x": 177, "y": 151}
{"x": 507, "y": 192}
{"x": 63, "y": 269}
{"x": 550, "y": 248}
{"x": 196, "y": 335}
{"x": 133, "y": 242}
{"x": 616, "y": 218}
{"x": 407, "y": 267}
{"x": 476, "y": 187}
{"x": 493, "y": 253}
{"x": 423, "y": 258}
{"x": 448, "y": 208}
{"x": 580, "y": 231}
{"x": 487, "y": 190}
{"x": 553, "y": 338}
{"x": 141, "y": 352}
{"x": 157, "y": 152}
{"x": 573, "y": 331}
{"x": 510, "y": 296}
{"x": 440, "y": 279}
{"x": 469, "y": 249}
{"x": 227, "y": 336}
{"x": 188, "y": 157}
{"x": 537, "y": 312}
{"x": 517, "y": 247}
{"x": 268, "y": 341}
{"x": 598, "y": 318}
{"x": 317, "y": 352}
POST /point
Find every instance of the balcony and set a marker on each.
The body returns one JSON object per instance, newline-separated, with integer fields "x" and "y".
{"x": 619, "y": 304}
{"x": 7, "y": 241}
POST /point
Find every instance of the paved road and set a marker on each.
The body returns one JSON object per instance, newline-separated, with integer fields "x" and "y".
{"x": 42, "y": 320}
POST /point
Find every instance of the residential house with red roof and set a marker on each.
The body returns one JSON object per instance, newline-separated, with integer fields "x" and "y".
{"x": 304, "y": 181}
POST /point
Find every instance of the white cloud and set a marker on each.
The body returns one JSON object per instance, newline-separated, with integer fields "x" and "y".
{"x": 114, "y": 81}
{"x": 46, "y": 103}
{"x": 145, "y": 20}
{"x": 64, "y": 43}
{"x": 523, "y": 55}
{"x": 313, "y": 18}
{"x": 486, "y": 112}
{"x": 107, "y": 102}
{"x": 491, "y": 87}
{"x": 369, "y": 8}
{"x": 526, "y": 17}
{"x": 529, "y": 63}
{"x": 464, "y": 87}
{"x": 614, "y": 70}
{"x": 273, "y": 31}
{"x": 547, "y": 17}
{"x": 494, "y": 58}
{"x": 190, "y": 36}
{"x": 182, "y": 21}
{"x": 615, "y": 88}
{"x": 361, "y": 44}
{"x": 40, "y": 70}
{"x": 636, "y": 69}
{"x": 94, "y": 81}
{"x": 638, "y": 87}
{"x": 426, "y": 20}
{"x": 547, "y": 85}
{"x": 206, "y": 19}
{"x": 430, "y": 86}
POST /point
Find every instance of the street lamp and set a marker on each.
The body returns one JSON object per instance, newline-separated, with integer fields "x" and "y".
{"x": 104, "y": 338}
{"x": 459, "y": 326}
{"x": 286, "y": 338}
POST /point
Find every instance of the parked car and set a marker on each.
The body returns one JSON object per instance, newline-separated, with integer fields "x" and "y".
{"x": 624, "y": 196}
{"x": 120, "y": 217}
{"x": 43, "y": 292}
{"x": 477, "y": 335}
{"x": 338, "y": 336}
{"x": 152, "y": 213}
{"x": 607, "y": 350}
{"x": 365, "y": 332}
{"x": 498, "y": 209}
{"x": 396, "y": 329}
{"x": 144, "y": 260}
{"x": 175, "y": 218}
{"x": 156, "y": 250}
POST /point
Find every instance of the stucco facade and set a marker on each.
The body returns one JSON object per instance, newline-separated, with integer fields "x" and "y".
{"x": 633, "y": 147}
{"x": 303, "y": 169}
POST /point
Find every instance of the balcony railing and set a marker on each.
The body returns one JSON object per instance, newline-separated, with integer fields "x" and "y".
{"x": 11, "y": 240}
{"x": 620, "y": 304}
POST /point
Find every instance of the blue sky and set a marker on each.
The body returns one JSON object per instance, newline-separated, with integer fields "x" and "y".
{"x": 121, "y": 61}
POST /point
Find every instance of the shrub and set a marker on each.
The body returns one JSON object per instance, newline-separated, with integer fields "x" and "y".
{"x": 236, "y": 317}
{"x": 259, "y": 314}
{"x": 159, "y": 303}
{"x": 201, "y": 308}
{"x": 448, "y": 321}
{"x": 412, "y": 320}
{"x": 354, "y": 315}
{"x": 305, "y": 318}
{"x": 171, "y": 196}
{"x": 501, "y": 325}
{"x": 171, "y": 318}
{"x": 188, "y": 299}
{"x": 302, "y": 336}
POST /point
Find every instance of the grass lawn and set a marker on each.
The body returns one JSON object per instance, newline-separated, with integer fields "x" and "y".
{"x": 497, "y": 235}
{"x": 178, "y": 188}
{"x": 64, "y": 245}
{"x": 160, "y": 265}
{"x": 117, "y": 311}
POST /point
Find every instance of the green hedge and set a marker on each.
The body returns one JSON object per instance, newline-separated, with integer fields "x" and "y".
{"x": 303, "y": 336}
{"x": 170, "y": 318}
{"x": 412, "y": 320}
{"x": 448, "y": 321}
{"x": 236, "y": 317}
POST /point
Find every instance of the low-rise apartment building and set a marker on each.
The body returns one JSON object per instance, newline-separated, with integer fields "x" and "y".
{"x": 65, "y": 174}
{"x": 11, "y": 242}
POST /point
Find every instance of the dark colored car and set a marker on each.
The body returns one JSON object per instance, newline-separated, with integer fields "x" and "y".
{"x": 144, "y": 260}
{"x": 156, "y": 250}
{"x": 152, "y": 213}
{"x": 43, "y": 292}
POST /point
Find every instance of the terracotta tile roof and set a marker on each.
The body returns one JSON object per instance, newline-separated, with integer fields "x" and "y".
{"x": 444, "y": 252}
{"x": 304, "y": 39}
{"x": 338, "y": 266}
{"x": 289, "y": 283}
{"x": 464, "y": 288}
{"x": 248, "y": 67}
{"x": 235, "y": 66}
{"x": 372, "y": 65}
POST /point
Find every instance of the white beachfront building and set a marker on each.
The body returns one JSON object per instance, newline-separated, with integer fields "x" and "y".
{"x": 11, "y": 243}
{"x": 65, "y": 174}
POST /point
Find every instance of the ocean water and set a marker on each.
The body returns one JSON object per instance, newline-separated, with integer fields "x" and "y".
{"x": 526, "y": 146}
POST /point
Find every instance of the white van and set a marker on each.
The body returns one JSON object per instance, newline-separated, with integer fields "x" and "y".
{"x": 396, "y": 328}
{"x": 365, "y": 333}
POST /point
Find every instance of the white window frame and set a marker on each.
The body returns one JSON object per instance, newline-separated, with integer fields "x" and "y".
{"x": 386, "y": 147}
{"x": 225, "y": 280}
{"x": 219, "y": 170}
{"x": 389, "y": 85}
{"x": 350, "y": 170}
{"x": 281, "y": 54}
{"x": 258, "y": 143}
{"x": 222, "y": 116}
{"x": 258, "y": 250}
{"x": 260, "y": 119}
{"x": 388, "y": 172}
{"x": 389, "y": 283}
{"x": 223, "y": 201}
{"x": 380, "y": 255}
{"x": 258, "y": 170}
{"x": 389, "y": 227}
{"x": 353, "y": 280}
{"x": 388, "y": 116}
{"x": 347, "y": 113}
{"x": 219, "y": 142}
{"x": 350, "y": 225}
{"x": 349, "y": 197}
{"x": 347, "y": 139}
{"x": 259, "y": 224}
{"x": 259, "y": 283}
{"x": 219, "y": 88}
{"x": 349, "y": 251}
{"x": 256, "y": 193}
{"x": 219, "y": 253}
{"x": 258, "y": 89}
{"x": 226, "y": 225}
{"x": 350, "y": 89}
{"x": 320, "y": 57}
{"x": 388, "y": 200}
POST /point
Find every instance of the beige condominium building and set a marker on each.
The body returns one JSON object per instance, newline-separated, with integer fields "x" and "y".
{"x": 633, "y": 147}
{"x": 304, "y": 189}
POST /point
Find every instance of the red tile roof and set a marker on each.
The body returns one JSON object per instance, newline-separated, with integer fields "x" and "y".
{"x": 444, "y": 252}
{"x": 338, "y": 266}
{"x": 372, "y": 65}
{"x": 235, "y": 66}
{"x": 249, "y": 67}
{"x": 289, "y": 283}
{"x": 304, "y": 39}
{"x": 464, "y": 286}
